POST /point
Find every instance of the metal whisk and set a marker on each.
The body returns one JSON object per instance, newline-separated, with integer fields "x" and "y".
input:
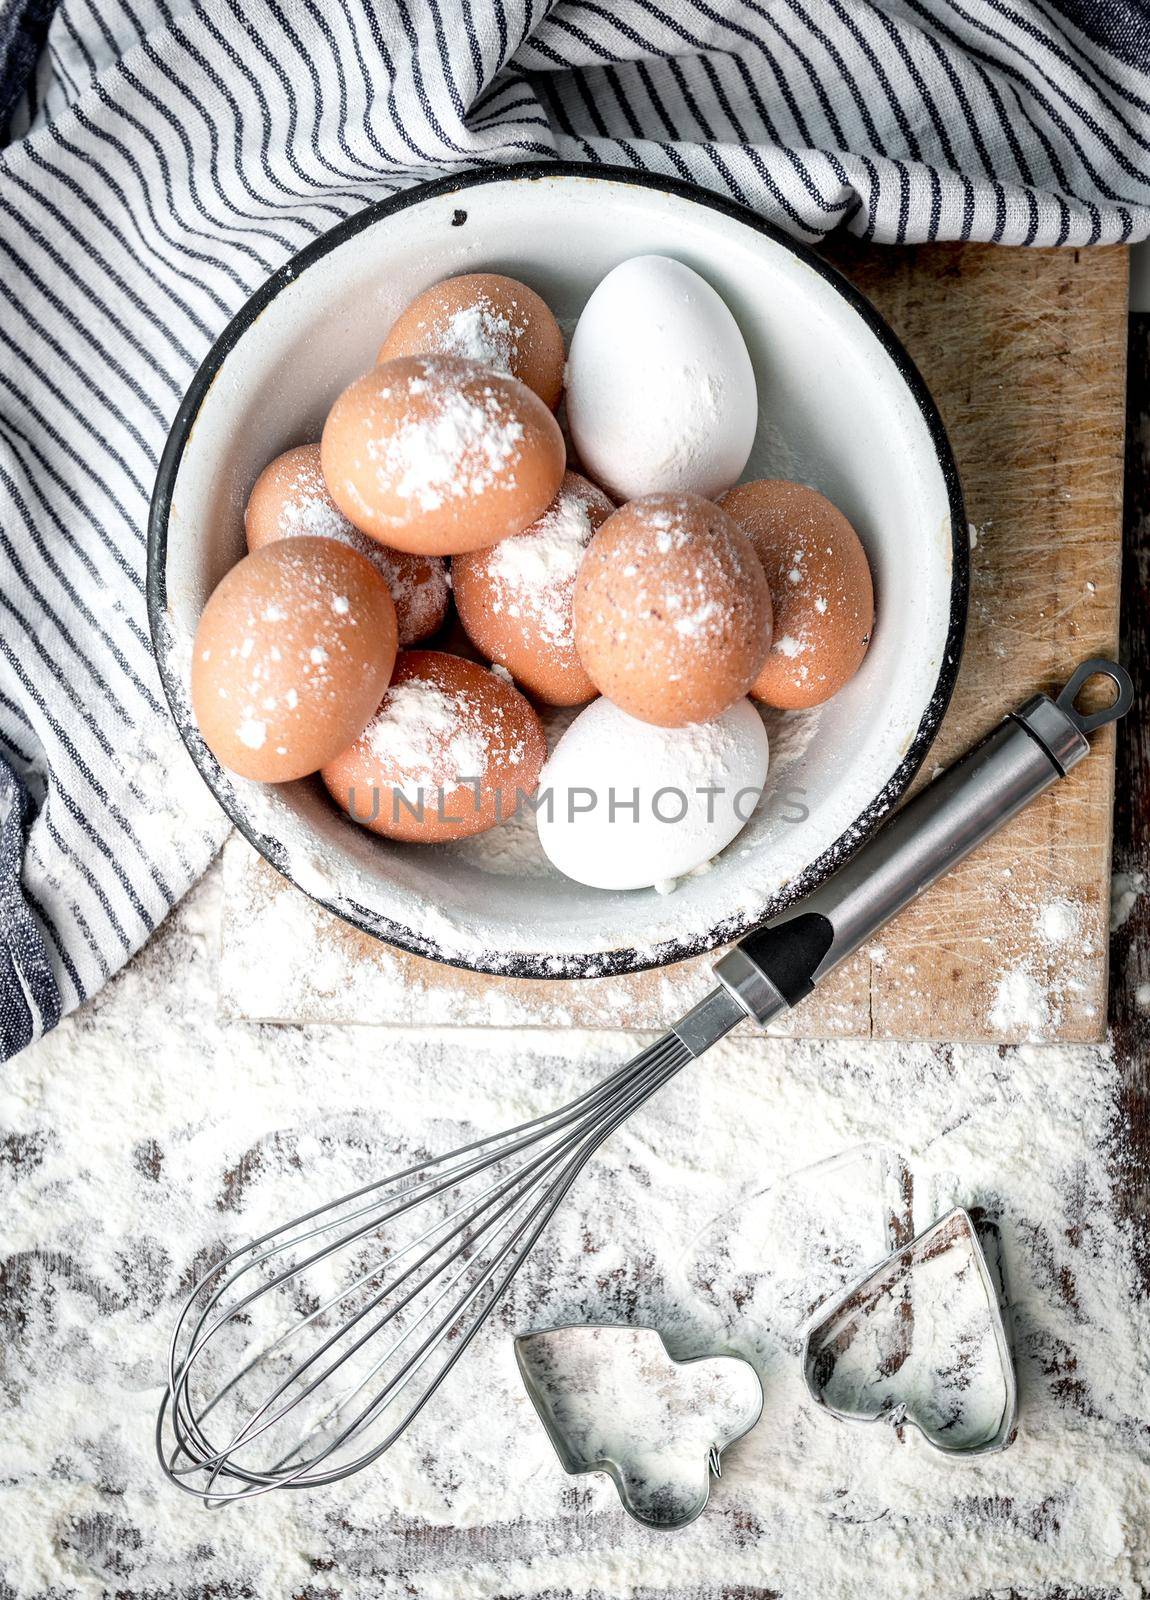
{"x": 303, "y": 1356}
{"x": 373, "y": 1299}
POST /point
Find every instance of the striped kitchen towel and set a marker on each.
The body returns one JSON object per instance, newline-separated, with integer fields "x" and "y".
{"x": 164, "y": 156}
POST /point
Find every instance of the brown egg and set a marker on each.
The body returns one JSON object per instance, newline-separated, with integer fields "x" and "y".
{"x": 672, "y": 612}
{"x": 448, "y": 754}
{"x": 494, "y": 320}
{"x": 437, "y": 455}
{"x": 821, "y": 586}
{"x": 293, "y": 651}
{"x": 290, "y": 499}
{"x": 516, "y": 598}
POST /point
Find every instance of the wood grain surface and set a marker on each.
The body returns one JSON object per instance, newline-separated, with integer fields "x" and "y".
{"x": 1025, "y": 354}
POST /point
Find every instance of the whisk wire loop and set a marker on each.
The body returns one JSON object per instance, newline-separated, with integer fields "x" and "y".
{"x": 454, "y": 1270}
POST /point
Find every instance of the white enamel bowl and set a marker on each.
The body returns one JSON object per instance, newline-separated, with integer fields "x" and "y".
{"x": 842, "y": 408}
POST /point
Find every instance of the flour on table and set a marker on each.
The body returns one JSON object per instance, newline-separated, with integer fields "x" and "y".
{"x": 1058, "y": 921}
{"x": 1029, "y": 999}
{"x": 145, "y": 1134}
{"x": 1020, "y": 1005}
{"x": 1126, "y": 889}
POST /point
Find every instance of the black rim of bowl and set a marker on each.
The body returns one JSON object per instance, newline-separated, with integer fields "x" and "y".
{"x": 603, "y": 963}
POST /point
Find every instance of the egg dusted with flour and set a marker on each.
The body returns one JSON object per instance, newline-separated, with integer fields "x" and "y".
{"x": 516, "y": 598}
{"x": 449, "y": 753}
{"x": 437, "y": 454}
{"x": 290, "y": 500}
{"x": 820, "y": 583}
{"x": 488, "y": 318}
{"x": 661, "y": 392}
{"x": 291, "y": 656}
{"x": 672, "y": 610}
{"x": 632, "y": 806}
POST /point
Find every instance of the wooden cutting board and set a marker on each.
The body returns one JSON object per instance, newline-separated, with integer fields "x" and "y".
{"x": 1024, "y": 352}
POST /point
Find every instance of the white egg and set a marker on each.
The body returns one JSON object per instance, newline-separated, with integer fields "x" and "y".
{"x": 660, "y": 388}
{"x": 624, "y": 804}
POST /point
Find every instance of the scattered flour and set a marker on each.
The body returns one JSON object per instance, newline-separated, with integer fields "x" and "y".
{"x": 452, "y": 443}
{"x": 510, "y": 851}
{"x": 1033, "y": 997}
{"x": 428, "y": 737}
{"x": 535, "y": 571}
{"x": 418, "y": 584}
{"x": 128, "y": 1175}
{"x": 669, "y": 885}
{"x": 145, "y": 1133}
{"x": 312, "y": 513}
{"x": 1020, "y": 1006}
{"x": 481, "y": 332}
{"x": 1058, "y": 921}
{"x": 1126, "y": 889}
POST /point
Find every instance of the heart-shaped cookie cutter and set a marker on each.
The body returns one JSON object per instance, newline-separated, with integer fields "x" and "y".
{"x": 835, "y": 1326}
{"x": 579, "y": 1442}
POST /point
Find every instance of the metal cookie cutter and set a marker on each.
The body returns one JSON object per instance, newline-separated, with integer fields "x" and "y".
{"x": 613, "y": 1400}
{"x": 862, "y": 1362}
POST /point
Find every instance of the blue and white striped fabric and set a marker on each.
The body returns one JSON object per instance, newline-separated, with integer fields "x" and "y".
{"x": 164, "y": 157}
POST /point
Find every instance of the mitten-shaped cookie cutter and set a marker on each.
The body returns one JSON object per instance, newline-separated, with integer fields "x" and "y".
{"x": 613, "y": 1400}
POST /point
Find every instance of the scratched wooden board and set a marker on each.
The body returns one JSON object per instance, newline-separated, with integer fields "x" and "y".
{"x": 1025, "y": 353}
